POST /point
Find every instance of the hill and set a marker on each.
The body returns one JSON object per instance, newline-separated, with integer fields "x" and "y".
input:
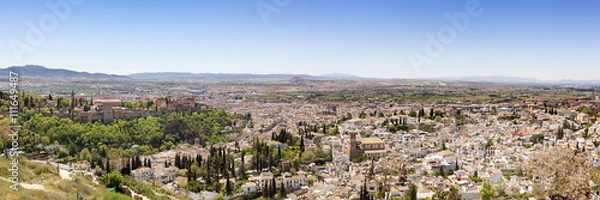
{"x": 37, "y": 71}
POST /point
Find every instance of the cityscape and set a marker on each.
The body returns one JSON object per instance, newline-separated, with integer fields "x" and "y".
{"x": 285, "y": 99}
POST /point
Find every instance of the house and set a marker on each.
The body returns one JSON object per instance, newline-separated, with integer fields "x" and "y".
{"x": 495, "y": 175}
{"x": 446, "y": 159}
{"x": 180, "y": 180}
{"x": 469, "y": 169}
{"x": 568, "y": 114}
{"x": 165, "y": 175}
{"x": 505, "y": 111}
{"x": 262, "y": 180}
{"x": 583, "y": 118}
{"x": 293, "y": 181}
{"x": 143, "y": 173}
{"x": 372, "y": 187}
{"x": 397, "y": 192}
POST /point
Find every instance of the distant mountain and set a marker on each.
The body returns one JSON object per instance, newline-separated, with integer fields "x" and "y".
{"x": 518, "y": 80}
{"x": 340, "y": 76}
{"x": 226, "y": 76}
{"x": 215, "y": 76}
{"x": 491, "y": 79}
{"x": 577, "y": 82}
{"x": 35, "y": 71}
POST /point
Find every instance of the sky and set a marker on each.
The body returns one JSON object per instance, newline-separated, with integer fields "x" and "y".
{"x": 548, "y": 40}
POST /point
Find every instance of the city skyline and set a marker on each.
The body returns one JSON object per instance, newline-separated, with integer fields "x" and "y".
{"x": 549, "y": 40}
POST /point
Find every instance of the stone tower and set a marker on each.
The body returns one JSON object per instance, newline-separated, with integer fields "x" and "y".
{"x": 353, "y": 150}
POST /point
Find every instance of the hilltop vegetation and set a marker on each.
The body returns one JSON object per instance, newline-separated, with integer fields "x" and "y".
{"x": 150, "y": 133}
{"x": 97, "y": 144}
{"x": 90, "y": 141}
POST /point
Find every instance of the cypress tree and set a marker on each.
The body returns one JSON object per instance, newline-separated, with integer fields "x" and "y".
{"x": 273, "y": 187}
{"x": 139, "y": 161}
{"x": 302, "y": 143}
{"x": 92, "y": 164}
{"x": 107, "y": 164}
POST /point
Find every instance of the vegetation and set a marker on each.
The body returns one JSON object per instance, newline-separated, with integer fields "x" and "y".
{"x": 568, "y": 171}
{"x": 560, "y": 133}
{"x": 487, "y": 191}
{"x": 411, "y": 194}
{"x": 451, "y": 194}
{"x": 113, "y": 179}
{"x": 91, "y": 141}
{"x": 537, "y": 138}
{"x": 52, "y": 186}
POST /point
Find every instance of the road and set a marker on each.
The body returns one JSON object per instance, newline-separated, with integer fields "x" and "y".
{"x": 62, "y": 168}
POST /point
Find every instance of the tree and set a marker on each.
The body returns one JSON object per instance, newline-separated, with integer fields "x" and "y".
{"x": 489, "y": 143}
{"x": 107, "y": 168}
{"x": 273, "y": 187}
{"x": 113, "y": 179}
{"x": 362, "y": 115}
{"x": 537, "y": 138}
{"x": 364, "y": 195}
{"x": 302, "y": 143}
{"x": 565, "y": 172}
{"x": 228, "y": 187}
{"x": 451, "y": 194}
{"x": 72, "y": 149}
{"x": 219, "y": 197}
{"x": 560, "y": 134}
{"x": 310, "y": 182}
{"x": 412, "y": 113}
{"x": 411, "y": 194}
{"x": 282, "y": 190}
{"x": 487, "y": 191}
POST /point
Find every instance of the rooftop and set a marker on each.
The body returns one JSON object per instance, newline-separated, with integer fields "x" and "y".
{"x": 371, "y": 141}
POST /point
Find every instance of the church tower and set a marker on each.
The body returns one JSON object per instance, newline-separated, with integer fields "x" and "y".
{"x": 353, "y": 151}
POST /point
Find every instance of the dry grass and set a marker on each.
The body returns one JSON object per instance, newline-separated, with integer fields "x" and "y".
{"x": 54, "y": 186}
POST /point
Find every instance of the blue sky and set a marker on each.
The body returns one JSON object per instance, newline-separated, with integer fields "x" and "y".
{"x": 547, "y": 39}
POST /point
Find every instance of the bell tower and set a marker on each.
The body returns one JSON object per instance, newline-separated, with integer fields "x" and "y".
{"x": 353, "y": 151}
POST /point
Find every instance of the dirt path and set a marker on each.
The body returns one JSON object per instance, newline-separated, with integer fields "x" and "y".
{"x": 28, "y": 186}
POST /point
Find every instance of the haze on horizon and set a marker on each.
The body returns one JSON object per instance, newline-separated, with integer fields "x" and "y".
{"x": 548, "y": 40}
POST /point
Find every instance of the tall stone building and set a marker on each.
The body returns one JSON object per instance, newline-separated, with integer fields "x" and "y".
{"x": 353, "y": 150}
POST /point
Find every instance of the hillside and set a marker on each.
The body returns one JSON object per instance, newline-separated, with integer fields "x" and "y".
{"x": 42, "y": 181}
{"x": 35, "y": 71}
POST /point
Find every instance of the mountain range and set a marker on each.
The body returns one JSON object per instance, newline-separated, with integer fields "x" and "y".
{"x": 36, "y": 71}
